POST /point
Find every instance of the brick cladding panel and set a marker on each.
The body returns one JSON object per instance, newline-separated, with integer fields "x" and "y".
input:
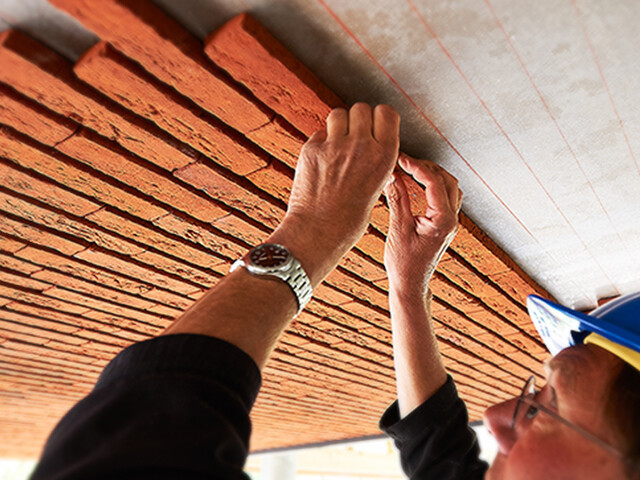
{"x": 126, "y": 190}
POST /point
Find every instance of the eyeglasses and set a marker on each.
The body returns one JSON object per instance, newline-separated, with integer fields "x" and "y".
{"x": 528, "y": 397}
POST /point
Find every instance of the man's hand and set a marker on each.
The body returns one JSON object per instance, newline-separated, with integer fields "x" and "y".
{"x": 412, "y": 251}
{"x": 341, "y": 173}
{"x": 415, "y": 245}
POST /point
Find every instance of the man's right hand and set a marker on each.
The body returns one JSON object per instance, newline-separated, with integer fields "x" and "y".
{"x": 340, "y": 175}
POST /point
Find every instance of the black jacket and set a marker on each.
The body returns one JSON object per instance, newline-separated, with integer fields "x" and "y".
{"x": 177, "y": 407}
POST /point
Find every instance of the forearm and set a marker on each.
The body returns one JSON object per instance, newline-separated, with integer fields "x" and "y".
{"x": 418, "y": 363}
{"x": 252, "y": 312}
{"x": 340, "y": 174}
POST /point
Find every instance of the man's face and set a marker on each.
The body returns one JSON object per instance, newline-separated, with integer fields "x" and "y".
{"x": 541, "y": 447}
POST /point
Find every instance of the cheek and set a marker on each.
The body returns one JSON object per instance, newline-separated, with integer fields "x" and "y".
{"x": 535, "y": 457}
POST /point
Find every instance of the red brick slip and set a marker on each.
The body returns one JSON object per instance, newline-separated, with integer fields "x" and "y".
{"x": 164, "y": 48}
{"x": 256, "y": 59}
{"x": 41, "y": 74}
{"x": 33, "y": 119}
{"x": 127, "y": 83}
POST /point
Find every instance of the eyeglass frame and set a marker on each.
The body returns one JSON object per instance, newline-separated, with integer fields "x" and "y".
{"x": 526, "y": 396}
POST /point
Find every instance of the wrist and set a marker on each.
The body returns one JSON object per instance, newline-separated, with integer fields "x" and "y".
{"x": 414, "y": 294}
{"x": 317, "y": 255}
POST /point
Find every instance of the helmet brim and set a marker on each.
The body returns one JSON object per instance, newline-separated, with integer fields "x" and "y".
{"x": 561, "y": 327}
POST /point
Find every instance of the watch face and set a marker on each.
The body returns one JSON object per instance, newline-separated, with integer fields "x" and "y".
{"x": 269, "y": 255}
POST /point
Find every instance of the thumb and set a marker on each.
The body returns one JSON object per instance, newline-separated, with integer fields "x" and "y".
{"x": 400, "y": 215}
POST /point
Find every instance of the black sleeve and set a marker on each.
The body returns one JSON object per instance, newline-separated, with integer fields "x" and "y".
{"x": 435, "y": 439}
{"x": 173, "y": 407}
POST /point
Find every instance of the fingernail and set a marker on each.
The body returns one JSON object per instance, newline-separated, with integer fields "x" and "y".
{"x": 391, "y": 180}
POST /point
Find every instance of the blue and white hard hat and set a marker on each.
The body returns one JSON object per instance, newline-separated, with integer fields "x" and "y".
{"x": 615, "y": 326}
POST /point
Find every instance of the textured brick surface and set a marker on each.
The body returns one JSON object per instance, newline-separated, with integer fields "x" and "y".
{"x": 163, "y": 47}
{"x": 110, "y": 159}
{"x": 253, "y": 57}
{"x": 32, "y": 118}
{"x": 122, "y": 80}
{"x": 127, "y": 192}
{"x": 43, "y": 75}
{"x": 18, "y": 149}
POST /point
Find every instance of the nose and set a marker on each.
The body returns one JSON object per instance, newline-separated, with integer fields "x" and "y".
{"x": 498, "y": 420}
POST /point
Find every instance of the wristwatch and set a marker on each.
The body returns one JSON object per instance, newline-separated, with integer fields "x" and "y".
{"x": 274, "y": 260}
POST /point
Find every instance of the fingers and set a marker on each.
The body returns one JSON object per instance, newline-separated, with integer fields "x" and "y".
{"x": 337, "y": 123}
{"x": 386, "y": 124}
{"x": 383, "y": 122}
{"x": 360, "y": 121}
{"x": 459, "y": 204}
{"x": 400, "y": 215}
{"x": 441, "y": 187}
{"x": 319, "y": 136}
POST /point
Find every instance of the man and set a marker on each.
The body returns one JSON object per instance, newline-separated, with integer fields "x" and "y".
{"x": 177, "y": 406}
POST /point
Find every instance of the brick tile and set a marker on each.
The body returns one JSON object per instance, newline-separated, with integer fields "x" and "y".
{"x": 331, "y": 295}
{"x": 351, "y": 285}
{"x": 28, "y": 297}
{"x": 275, "y": 180}
{"x": 66, "y": 224}
{"x": 195, "y": 275}
{"x": 372, "y": 245}
{"x": 42, "y": 75}
{"x": 240, "y": 229}
{"x": 20, "y": 336}
{"x": 10, "y": 245}
{"x": 133, "y": 270}
{"x": 84, "y": 287}
{"x": 126, "y": 83}
{"x": 225, "y": 248}
{"x": 26, "y": 184}
{"x": 25, "y": 351}
{"x": 383, "y": 283}
{"x": 33, "y": 119}
{"x": 22, "y": 281}
{"x": 66, "y": 322}
{"x": 381, "y": 319}
{"x": 111, "y": 159}
{"x": 165, "y": 310}
{"x": 280, "y": 140}
{"x": 363, "y": 267}
{"x": 526, "y": 344}
{"x": 246, "y": 50}
{"x": 168, "y": 298}
{"x": 518, "y": 286}
{"x": 86, "y": 272}
{"x": 472, "y": 281}
{"x": 197, "y": 295}
{"x": 127, "y": 327}
{"x": 100, "y": 305}
{"x": 12, "y": 263}
{"x": 21, "y": 151}
{"x": 165, "y": 49}
{"x": 38, "y": 332}
{"x": 92, "y": 332}
{"x": 112, "y": 220}
{"x": 38, "y": 236}
{"x": 454, "y": 295}
{"x": 222, "y": 189}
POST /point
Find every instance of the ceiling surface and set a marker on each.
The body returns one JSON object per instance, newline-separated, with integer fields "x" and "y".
{"x": 534, "y": 106}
